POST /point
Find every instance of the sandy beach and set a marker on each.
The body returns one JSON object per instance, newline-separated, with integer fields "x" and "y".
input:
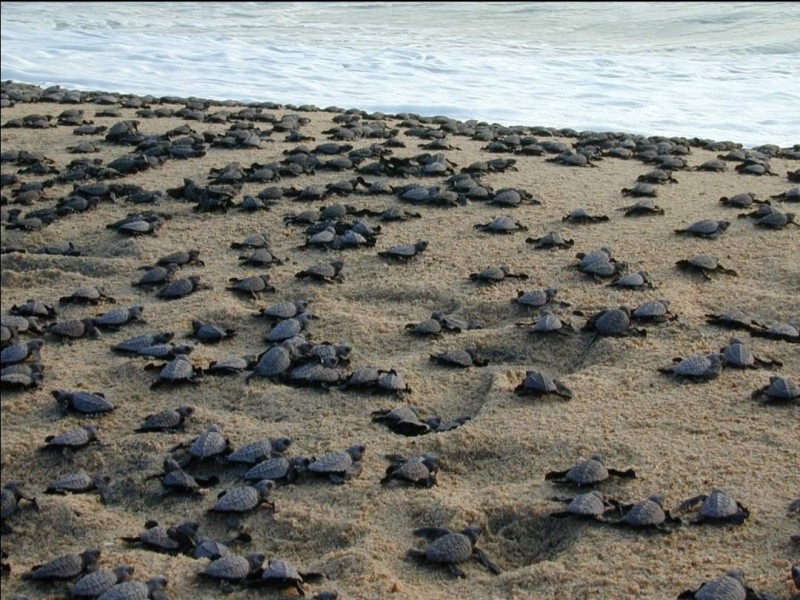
{"x": 682, "y": 438}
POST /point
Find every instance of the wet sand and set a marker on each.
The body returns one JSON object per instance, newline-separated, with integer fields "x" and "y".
{"x": 681, "y": 438}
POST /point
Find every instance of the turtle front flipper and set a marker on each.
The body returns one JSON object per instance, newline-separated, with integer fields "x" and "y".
{"x": 484, "y": 560}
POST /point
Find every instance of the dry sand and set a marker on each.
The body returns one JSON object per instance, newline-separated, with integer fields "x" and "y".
{"x": 682, "y": 439}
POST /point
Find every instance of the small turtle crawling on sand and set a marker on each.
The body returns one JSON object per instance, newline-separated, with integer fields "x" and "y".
{"x": 90, "y": 294}
{"x": 729, "y": 586}
{"x": 168, "y": 420}
{"x": 501, "y": 224}
{"x": 536, "y": 298}
{"x": 653, "y": 311}
{"x": 612, "y": 322}
{"x": 552, "y": 239}
{"x": 705, "y": 264}
{"x": 72, "y": 439}
{"x": 13, "y": 492}
{"x": 646, "y": 514}
{"x": 461, "y": 358}
{"x": 405, "y": 252}
{"x": 591, "y": 505}
{"x": 739, "y": 355}
{"x": 175, "y": 479}
{"x": 338, "y": 466}
{"x": 633, "y": 281}
{"x": 86, "y": 403}
{"x": 698, "y": 367}
{"x": 245, "y": 498}
{"x": 418, "y": 470}
{"x": 178, "y": 370}
{"x": 80, "y": 483}
{"x": 718, "y": 507}
{"x": 211, "y": 444}
{"x": 706, "y": 228}
{"x": 282, "y": 574}
{"x": 233, "y": 568}
{"x": 450, "y": 548}
{"x": 548, "y": 322}
{"x": 646, "y": 206}
{"x": 779, "y": 389}
{"x": 173, "y": 540}
{"x": 64, "y": 567}
{"x": 251, "y": 287}
{"x": 538, "y": 384}
{"x": 97, "y": 582}
{"x": 136, "y": 590}
{"x": 580, "y": 215}
{"x": 599, "y": 263}
{"x": 495, "y": 275}
{"x": 590, "y": 471}
{"x": 328, "y": 272}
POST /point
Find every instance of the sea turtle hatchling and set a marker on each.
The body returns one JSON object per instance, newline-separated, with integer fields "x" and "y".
{"x": 615, "y": 322}
{"x": 281, "y": 573}
{"x": 137, "y": 590}
{"x": 72, "y": 439}
{"x": 176, "y": 371}
{"x": 451, "y": 548}
{"x": 743, "y": 200}
{"x": 209, "y": 333}
{"x": 134, "y": 344}
{"x": 580, "y": 215}
{"x": 734, "y": 319}
{"x": 552, "y": 239}
{"x": 738, "y": 354}
{"x": 66, "y": 567}
{"x": 653, "y": 311}
{"x": 538, "y": 384}
{"x": 328, "y": 272}
{"x": 180, "y": 288}
{"x": 718, "y": 507}
{"x": 705, "y": 264}
{"x": 591, "y": 505}
{"x": 536, "y": 298}
{"x": 548, "y": 322}
{"x": 786, "y": 332}
{"x": 234, "y": 568}
{"x": 283, "y": 310}
{"x": 168, "y": 420}
{"x": 251, "y": 287}
{"x": 730, "y": 586}
{"x": 405, "y": 252}
{"x": 501, "y": 224}
{"x": 85, "y": 403}
{"x": 462, "y": 358}
{"x": 245, "y": 498}
{"x": 89, "y": 294}
{"x": 252, "y": 242}
{"x": 645, "y": 206}
{"x": 339, "y": 465}
{"x": 12, "y": 493}
{"x": 420, "y": 470}
{"x": 599, "y": 263}
{"x": 81, "y": 483}
{"x": 73, "y": 329}
{"x": 175, "y": 479}
{"x": 646, "y": 514}
{"x": 278, "y": 469}
{"x": 210, "y": 445}
{"x": 496, "y": 274}
{"x": 640, "y": 189}
{"x": 260, "y": 450}
{"x": 97, "y": 582}
{"x": 706, "y": 228}
{"x": 590, "y": 471}
{"x": 633, "y": 281}
{"x": 172, "y": 540}
{"x": 779, "y": 389}
{"x": 698, "y": 367}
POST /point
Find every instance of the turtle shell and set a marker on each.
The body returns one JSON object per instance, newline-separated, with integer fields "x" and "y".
{"x": 252, "y": 453}
{"x": 719, "y": 505}
{"x": 83, "y": 402}
{"x": 589, "y": 471}
{"x": 284, "y": 310}
{"x": 64, "y": 567}
{"x": 337, "y": 462}
{"x": 233, "y": 567}
{"x": 244, "y": 498}
{"x": 782, "y": 388}
{"x": 281, "y": 572}
{"x": 451, "y": 548}
{"x": 78, "y": 437}
{"x": 144, "y": 340}
{"x": 211, "y": 443}
{"x": 588, "y": 504}
{"x": 612, "y": 321}
{"x": 94, "y": 584}
{"x": 699, "y": 366}
{"x": 727, "y": 587}
{"x": 166, "y": 419}
{"x": 272, "y": 468}
{"x": 76, "y": 483}
{"x": 535, "y": 298}
{"x": 273, "y": 362}
{"x": 647, "y": 512}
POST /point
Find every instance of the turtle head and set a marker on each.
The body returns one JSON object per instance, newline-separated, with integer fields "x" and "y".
{"x": 90, "y": 557}
{"x": 124, "y": 573}
{"x": 280, "y": 444}
{"x": 155, "y": 583}
{"x": 357, "y": 451}
{"x": 473, "y": 532}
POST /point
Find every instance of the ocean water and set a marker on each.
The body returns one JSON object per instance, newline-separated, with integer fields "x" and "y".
{"x": 724, "y": 71}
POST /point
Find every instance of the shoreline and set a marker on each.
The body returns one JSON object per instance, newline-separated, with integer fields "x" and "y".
{"x": 681, "y": 438}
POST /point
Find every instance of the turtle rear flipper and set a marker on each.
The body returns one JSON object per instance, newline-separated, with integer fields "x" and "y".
{"x": 555, "y": 475}
{"x": 482, "y": 558}
{"x": 626, "y": 474}
{"x": 765, "y": 363}
{"x": 691, "y": 502}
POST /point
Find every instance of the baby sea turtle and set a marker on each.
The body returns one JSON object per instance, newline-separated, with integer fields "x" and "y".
{"x": 418, "y": 470}
{"x": 282, "y": 574}
{"x": 599, "y": 263}
{"x": 779, "y": 389}
{"x": 175, "y": 479}
{"x": 589, "y": 471}
{"x": 314, "y": 374}
{"x": 538, "y": 384}
{"x": 580, "y": 215}
{"x": 718, "y": 507}
{"x": 328, "y": 272}
{"x": 209, "y": 333}
{"x": 255, "y": 452}
{"x": 451, "y": 548}
{"x": 90, "y": 294}
{"x": 495, "y": 275}
{"x": 706, "y": 228}
{"x": 640, "y": 189}
{"x": 274, "y": 363}
{"x": 173, "y": 540}
{"x": 698, "y": 367}
{"x": 21, "y": 352}
{"x": 633, "y": 281}
{"x": 68, "y": 566}
{"x": 97, "y": 582}
{"x": 777, "y": 220}
{"x": 260, "y": 258}
{"x": 744, "y": 200}
{"x": 653, "y": 311}
{"x": 461, "y": 358}
{"x": 117, "y": 317}
{"x": 278, "y": 469}
{"x": 501, "y": 224}
{"x": 180, "y": 288}
{"x": 536, "y": 298}
{"x": 168, "y": 420}
{"x": 786, "y": 332}
{"x": 404, "y": 420}
{"x": 548, "y": 322}
{"x": 233, "y": 568}
{"x": 13, "y": 492}
{"x": 176, "y": 371}
{"x": 739, "y": 355}
{"x": 339, "y": 465}
{"x": 85, "y": 403}
{"x": 591, "y": 505}
{"x": 283, "y": 310}
{"x": 733, "y": 319}
{"x": 245, "y": 498}
{"x": 729, "y": 586}
{"x": 21, "y": 376}
{"x": 80, "y": 483}
{"x": 73, "y": 329}
{"x": 657, "y": 176}
{"x": 405, "y": 252}
{"x": 705, "y": 264}
{"x": 252, "y": 242}
{"x": 646, "y": 514}
{"x": 136, "y": 590}
{"x": 647, "y": 206}
{"x": 251, "y": 286}
{"x": 72, "y": 439}
{"x": 134, "y": 344}
{"x": 612, "y": 322}
{"x": 552, "y": 239}
{"x": 211, "y": 444}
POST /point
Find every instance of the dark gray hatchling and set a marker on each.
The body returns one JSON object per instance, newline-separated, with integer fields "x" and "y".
{"x": 653, "y": 311}
{"x": 166, "y": 351}
{"x": 738, "y": 354}
{"x": 209, "y": 333}
{"x": 580, "y": 215}
{"x": 134, "y": 344}
{"x": 730, "y": 586}
{"x": 176, "y": 371}
{"x": 171, "y": 540}
{"x": 615, "y": 322}
{"x": 501, "y": 224}
{"x": 81, "y": 483}
{"x": 546, "y": 323}
{"x": 405, "y": 252}
{"x": 288, "y": 328}
{"x": 273, "y": 364}
{"x": 461, "y": 358}
{"x": 283, "y": 310}
{"x": 743, "y": 200}
{"x": 786, "y": 332}
{"x": 253, "y": 241}
{"x": 496, "y": 274}
{"x": 327, "y": 272}
{"x": 590, "y": 471}
{"x": 234, "y": 568}
{"x": 391, "y": 382}
{"x": 210, "y": 445}
{"x": 599, "y": 263}
{"x": 777, "y": 220}
{"x": 20, "y": 352}
{"x": 262, "y": 257}
{"x": 251, "y": 287}
{"x": 66, "y": 567}
{"x": 281, "y": 573}
{"x": 117, "y": 317}
{"x": 646, "y": 514}
{"x": 260, "y": 450}
{"x": 536, "y": 298}
{"x": 538, "y": 384}
{"x": 429, "y": 327}
{"x": 779, "y": 389}
{"x": 85, "y": 403}
{"x": 72, "y": 439}
{"x": 645, "y": 206}
{"x": 12, "y": 493}
{"x": 717, "y": 507}
{"x": 169, "y": 420}
{"x": 97, "y": 582}
{"x": 175, "y": 479}
{"x": 552, "y": 239}
{"x": 450, "y": 548}
{"x": 90, "y": 294}
{"x": 245, "y": 498}
{"x": 182, "y": 258}
{"x": 338, "y": 466}
{"x": 180, "y": 288}
{"x": 33, "y": 308}
{"x": 591, "y": 505}
{"x": 733, "y": 319}
{"x": 706, "y": 228}
{"x": 419, "y": 471}
{"x": 633, "y": 281}
{"x": 278, "y": 469}
{"x": 698, "y": 367}
{"x": 73, "y": 329}
{"x": 314, "y": 374}
{"x": 21, "y": 376}
{"x": 404, "y": 420}
{"x": 137, "y": 590}
{"x": 230, "y": 365}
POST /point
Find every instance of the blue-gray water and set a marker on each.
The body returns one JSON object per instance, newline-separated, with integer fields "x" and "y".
{"x": 724, "y": 71}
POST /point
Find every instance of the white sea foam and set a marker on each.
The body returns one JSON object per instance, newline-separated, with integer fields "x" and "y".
{"x": 724, "y": 71}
